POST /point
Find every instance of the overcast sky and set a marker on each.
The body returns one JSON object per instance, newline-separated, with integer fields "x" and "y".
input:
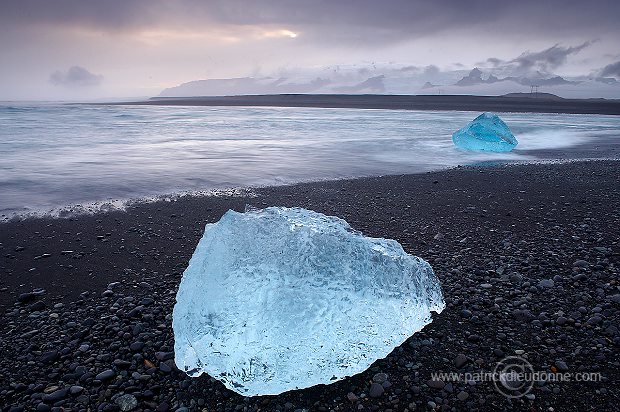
{"x": 124, "y": 48}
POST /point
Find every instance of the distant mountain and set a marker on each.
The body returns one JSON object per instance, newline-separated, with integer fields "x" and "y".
{"x": 429, "y": 85}
{"x": 399, "y": 79}
{"x": 475, "y": 78}
{"x": 370, "y": 85}
{"x": 243, "y": 86}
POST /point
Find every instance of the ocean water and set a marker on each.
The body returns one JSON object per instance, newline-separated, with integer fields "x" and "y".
{"x": 53, "y": 155}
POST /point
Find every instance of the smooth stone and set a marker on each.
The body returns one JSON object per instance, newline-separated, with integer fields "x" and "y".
{"x": 580, "y": 263}
{"x": 380, "y": 377}
{"x": 49, "y": 357}
{"x": 561, "y": 365}
{"x": 55, "y": 396}
{"x": 105, "y": 375}
{"x": 466, "y": 313}
{"x": 516, "y": 277}
{"x": 165, "y": 368}
{"x": 376, "y": 390}
{"x": 76, "y": 390}
{"x": 460, "y": 360}
{"x": 435, "y": 384}
{"x": 546, "y": 283}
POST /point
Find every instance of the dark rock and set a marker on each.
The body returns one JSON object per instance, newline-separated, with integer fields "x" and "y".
{"x": 135, "y": 312}
{"x": 164, "y": 356}
{"x": 435, "y": 384}
{"x": 55, "y": 396}
{"x": 516, "y": 277}
{"x": 165, "y": 368}
{"x": 466, "y": 314}
{"x": 380, "y": 378}
{"x": 122, "y": 364}
{"x": 376, "y": 390}
{"x": 26, "y": 297}
{"x": 546, "y": 283}
{"x": 49, "y": 357}
{"x": 611, "y": 330}
{"x": 37, "y": 306}
{"x": 460, "y": 360}
{"x": 522, "y": 315}
{"x": 105, "y": 375}
{"x": 76, "y": 390}
{"x": 561, "y": 365}
{"x": 581, "y": 263}
{"x": 126, "y": 402}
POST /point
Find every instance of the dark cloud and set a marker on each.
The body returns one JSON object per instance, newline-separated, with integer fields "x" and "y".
{"x": 552, "y": 81}
{"x": 431, "y": 70}
{"x": 550, "y": 58}
{"x": 367, "y": 20}
{"x": 76, "y": 76}
{"x": 539, "y": 63}
{"x": 611, "y": 70}
{"x": 495, "y": 61}
{"x": 412, "y": 69}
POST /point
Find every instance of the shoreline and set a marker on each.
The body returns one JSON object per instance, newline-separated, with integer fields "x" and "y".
{"x": 398, "y": 102}
{"x": 528, "y": 257}
{"x": 70, "y": 211}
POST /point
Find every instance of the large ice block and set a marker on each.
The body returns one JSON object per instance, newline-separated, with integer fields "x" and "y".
{"x": 486, "y": 132}
{"x": 285, "y": 298}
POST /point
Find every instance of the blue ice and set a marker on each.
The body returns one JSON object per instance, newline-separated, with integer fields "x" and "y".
{"x": 285, "y": 298}
{"x": 486, "y": 132}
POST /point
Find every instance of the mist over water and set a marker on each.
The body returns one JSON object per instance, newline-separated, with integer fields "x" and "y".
{"x": 57, "y": 155}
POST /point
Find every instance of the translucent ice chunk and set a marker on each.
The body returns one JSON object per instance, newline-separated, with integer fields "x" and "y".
{"x": 279, "y": 299}
{"x": 486, "y": 132}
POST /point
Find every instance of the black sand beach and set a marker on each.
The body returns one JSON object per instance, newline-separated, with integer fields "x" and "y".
{"x": 520, "y": 104}
{"x": 528, "y": 257}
